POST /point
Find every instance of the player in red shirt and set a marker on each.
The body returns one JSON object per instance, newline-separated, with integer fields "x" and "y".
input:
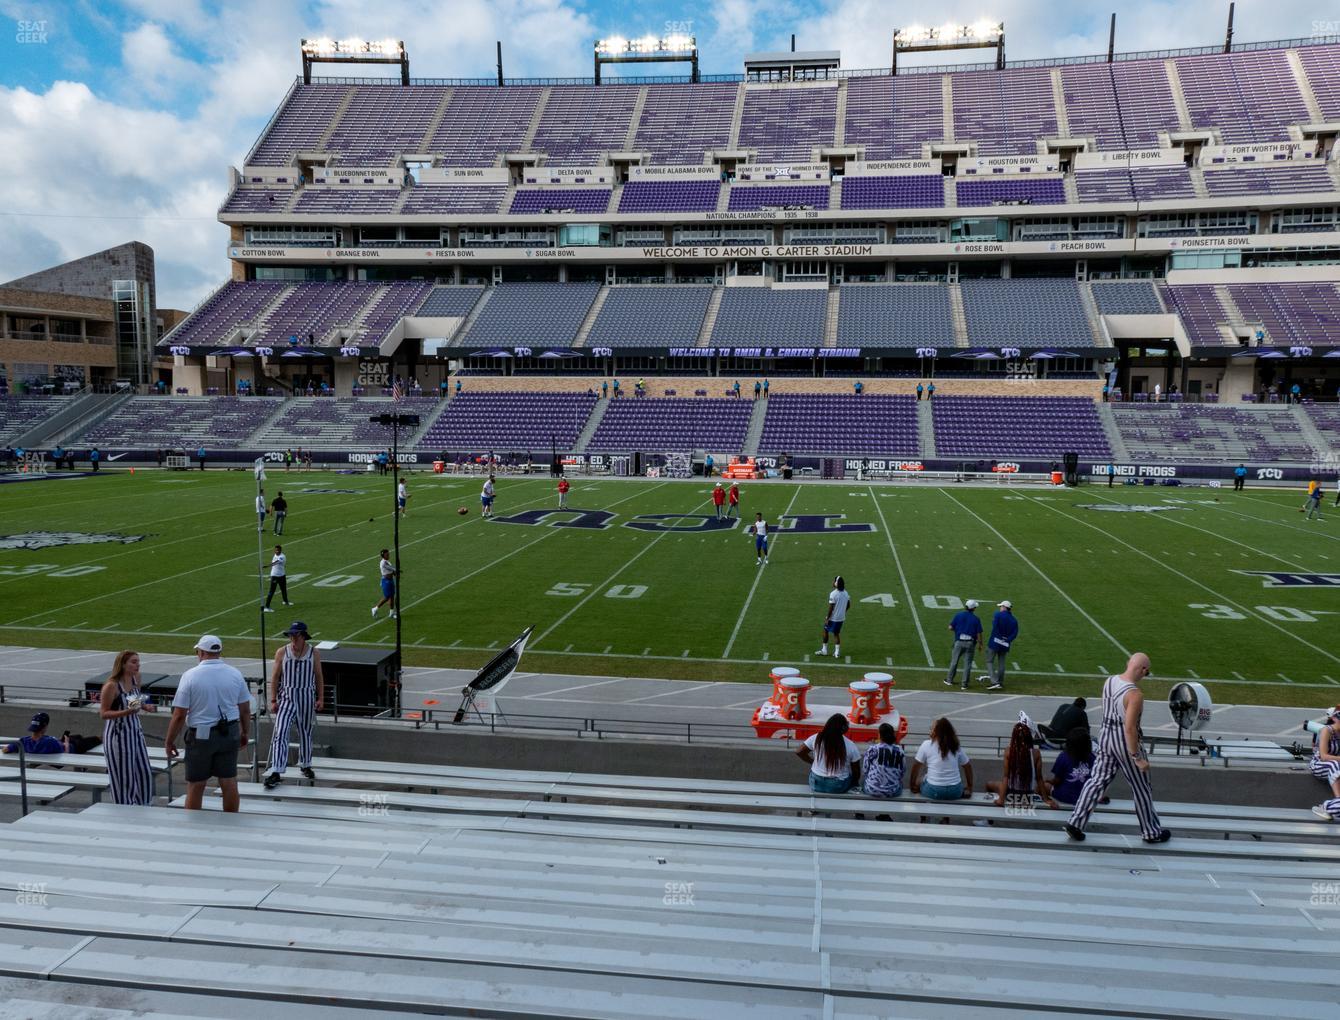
{"x": 719, "y": 498}
{"x": 563, "y": 488}
{"x": 734, "y": 510}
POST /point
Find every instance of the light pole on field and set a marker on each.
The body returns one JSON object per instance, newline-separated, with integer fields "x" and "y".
{"x": 261, "y": 698}
{"x": 395, "y": 420}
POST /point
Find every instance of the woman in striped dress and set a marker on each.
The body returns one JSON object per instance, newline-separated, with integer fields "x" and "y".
{"x": 130, "y": 778}
{"x": 1325, "y": 764}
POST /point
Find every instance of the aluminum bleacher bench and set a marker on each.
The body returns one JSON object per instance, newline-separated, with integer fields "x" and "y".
{"x": 41, "y": 793}
{"x": 95, "y": 783}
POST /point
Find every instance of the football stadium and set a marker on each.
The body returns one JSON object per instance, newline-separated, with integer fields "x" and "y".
{"x": 427, "y": 618}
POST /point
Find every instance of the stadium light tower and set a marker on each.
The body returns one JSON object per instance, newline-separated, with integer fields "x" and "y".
{"x": 650, "y": 49}
{"x": 353, "y": 51}
{"x": 984, "y": 34}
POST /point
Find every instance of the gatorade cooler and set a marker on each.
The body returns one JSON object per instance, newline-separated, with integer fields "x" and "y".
{"x": 439, "y": 466}
{"x": 794, "y": 691}
{"x": 864, "y": 696}
{"x": 779, "y": 674}
{"x": 1058, "y": 478}
{"x": 883, "y": 681}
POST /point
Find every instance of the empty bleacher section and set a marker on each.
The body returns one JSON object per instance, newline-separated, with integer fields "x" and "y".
{"x": 1004, "y": 112}
{"x": 312, "y": 310}
{"x": 513, "y": 422}
{"x": 382, "y": 122}
{"x": 870, "y": 424}
{"x": 1326, "y": 420}
{"x": 330, "y": 423}
{"x": 1025, "y": 311}
{"x": 669, "y": 196}
{"x": 670, "y": 316}
{"x": 579, "y": 125}
{"x": 773, "y": 315}
{"x": 450, "y": 302}
{"x": 298, "y": 126}
{"x": 1250, "y": 96}
{"x": 1268, "y": 180}
{"x": 892, "y": 117}
{"x": 672, "y": 424}
{"x": 257, "y": 200}
{"x": 455, "y": 199}
{"x": 1198, "y": 306}
{"x": 680, "y": 123}
{"x": 347, "y": 200}
{"x": 745, "y": 198}
{"x": 533, "y": 313}
{"x": 785, "y": 125}
{"x": 1291, "y": 313}
{"x": 19, "y": 413}
{"x": 1322, "y": 64}
{"x": 560, "y": 200}
{"x": 1018, "y": 427}
{"x": 1133, "y": 298}
{"x": 895, "y": 315}
{"x": 1202, "y": 432}
{"x": 1146, "y": 184}
{"x": 481, "y": 122}
{"x": 915, "y": 191}
{"x": 182, "y": 423}
{"x": 388, "y": 307}
{"x": 1122, "y": 105}
{"x": 232, "y": 305}
{"x": 1012, "y": 190}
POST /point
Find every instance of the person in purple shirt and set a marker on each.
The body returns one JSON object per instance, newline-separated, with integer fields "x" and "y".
{"x": 1071, "y": 769}
{"x": 38, "y": 741}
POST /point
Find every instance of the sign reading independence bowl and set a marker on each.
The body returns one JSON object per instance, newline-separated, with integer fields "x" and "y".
{"x": 493, "y": 677}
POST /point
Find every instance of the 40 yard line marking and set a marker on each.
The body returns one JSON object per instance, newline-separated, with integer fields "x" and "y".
{"x": 907, "y": 590}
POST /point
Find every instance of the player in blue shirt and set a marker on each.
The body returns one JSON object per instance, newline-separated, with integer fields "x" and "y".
{"x": 1239, "y": 477}
{"x": 37, "y": 741}
{"x": 967, "y": 631}
{"x": 1004, "y": 629}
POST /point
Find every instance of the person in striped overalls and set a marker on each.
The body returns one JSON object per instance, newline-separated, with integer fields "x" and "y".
{"x": 1119, "y": 750}
{"x": 129, "y": 777}
{"x": 1325, "y": 764}
{"x": 296, "y": 695}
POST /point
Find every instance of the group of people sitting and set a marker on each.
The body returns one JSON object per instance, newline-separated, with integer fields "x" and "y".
{"x": 942, "y": 770}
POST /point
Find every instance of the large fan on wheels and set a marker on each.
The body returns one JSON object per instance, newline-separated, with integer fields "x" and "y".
{"x": 1191, "y": 708}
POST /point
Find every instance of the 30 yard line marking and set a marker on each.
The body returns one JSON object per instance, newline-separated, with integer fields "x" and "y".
{"x": 1037, "y": 570}
{"x": 758, "y": 577}
{"x": 907, "y": 590}
{"x": 1191, "y": 580}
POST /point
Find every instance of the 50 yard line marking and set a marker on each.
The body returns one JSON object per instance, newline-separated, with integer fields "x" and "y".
{"x": 758, "y": 576}
{"x": 907, "y": 590}
{"x": 1037, "y": 570}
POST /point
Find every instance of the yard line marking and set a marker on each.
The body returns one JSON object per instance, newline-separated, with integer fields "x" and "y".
{"x": 645, "y": 651}
{"x": 493, "y": 644}
{"x": 765, "y": 656}
{"x": 753, "y": 588}
{"x": 848, "y": 659}
{"x": 1101, "y": 669}
{"x": 1194, "y": 674}
{"x": 575, "y": 687}
{"x": 1059, "y": 667}
{"x": 888, "y": 661}
{"x": 1283, "y": 677}
{"x": 420, "y": 641}
{"x": 1336, "y": 682}
{"x": 1204, "y": 587}
{"x": 1278, "y": 524}
{"x": 685, "y": 654}
{"x": 1327, "y": 676}
{"x": 1239, "y": 675}
{"x": 605, "y": 652}
{"x": 568, "y": 649}
{"x": 1038, "y": 570}
{"x": 454, "y": 643}
{"x": 1016, "y": 665}
{"x": 666, "y": 694}
{"x": 807, "y": 656}
{"x": 907, "y": 590}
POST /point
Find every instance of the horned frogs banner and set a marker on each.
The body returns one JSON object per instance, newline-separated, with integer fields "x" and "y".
{"x": 488, "y": 683}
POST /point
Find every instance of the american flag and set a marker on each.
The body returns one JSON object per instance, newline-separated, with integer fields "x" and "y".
{"x": 397, "y": 389}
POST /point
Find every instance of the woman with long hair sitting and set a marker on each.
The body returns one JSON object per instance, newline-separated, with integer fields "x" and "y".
{"x": 942, "y": 770}
{"x": 1023, "y": 770}
{"x": 835, "y": 762}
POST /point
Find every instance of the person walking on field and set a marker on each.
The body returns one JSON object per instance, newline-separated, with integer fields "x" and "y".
{"x": 401, "y": 498}
{"x": 261, "y": 508}
{"x": 278, "y": 578}
{"x": 388, "y": 575}
{"x": 719, "y": 500}
{"x": 297, "y": 693}
{"x": 838, "y": 602}
{"x": 967, "y": 631}
{"x": 563, "y": 487}
{"x": 486, "y": 498}
{"x": 280, "y": 507}
{"x": 733, "y": 499}
{"x": 1120, "y": 750}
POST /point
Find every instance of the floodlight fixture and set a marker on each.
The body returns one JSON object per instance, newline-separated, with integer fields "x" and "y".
{"x": 981, "y": 34}
{"x": 353, "y": 50}
{"x": 647, "y": 49}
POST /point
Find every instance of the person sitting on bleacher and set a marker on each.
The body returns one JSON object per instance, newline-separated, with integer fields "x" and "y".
{"x": 38, "y": 741}
{"x": 1325, "y": 764}
{"x": 883, "y": 765}
{"x": 943, "y": 765}
{"x": 1067, "y": 718}
{"x": 1023, "y": 770}
{"x": 1071, "y": 769}
{"x": 835, "y": 762}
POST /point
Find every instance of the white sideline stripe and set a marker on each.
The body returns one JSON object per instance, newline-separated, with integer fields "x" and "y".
{"x": 667, "y": 694}
{"x": 595, "y": 589}
{"x": 575, "y": 687}
{"x": 907, "y": 590}
{"x": 758, "y": 577}
{"x": 457, "y": 646}
{"x": 1204, "y": 587}
{"x": 1038, "y": 570}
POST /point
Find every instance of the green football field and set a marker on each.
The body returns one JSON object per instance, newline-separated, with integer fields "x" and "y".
{"x": 1234, "y": 588}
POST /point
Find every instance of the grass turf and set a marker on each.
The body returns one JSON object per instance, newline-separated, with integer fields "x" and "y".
{"x": 1087, "y": 585}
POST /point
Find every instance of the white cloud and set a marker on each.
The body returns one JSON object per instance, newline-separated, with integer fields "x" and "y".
{"x": 151, "y": 61}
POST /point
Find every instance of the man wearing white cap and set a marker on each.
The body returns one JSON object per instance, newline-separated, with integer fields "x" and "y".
{"x": 213, "y": 707}
{"x": 1004, "y": 629}
{"x": 967, "y": 631}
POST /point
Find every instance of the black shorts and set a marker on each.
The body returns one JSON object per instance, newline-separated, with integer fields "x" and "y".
{"x": 215, "y": 756}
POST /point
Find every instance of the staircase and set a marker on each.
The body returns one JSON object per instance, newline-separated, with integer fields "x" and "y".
{"x": 1230, "y": 307}
{"x": 835, "y": 195}
{"x": 951, "y": 193}
{"x": 1179, "y": 97}
{"x": 710, "y": 319}
{"x": 926, "y": 429}
{"x": 1198, "y": 182}
{"x": 335, "y": 119}
{"x": 831, "y": 317}
{"x": 947, "y": 105}
{"x": 735, "y": 118}
{"x": 754, "y": 434}
{"x": 416, "y": 437}
{"x": 534, "y": 125}
{"x": 589, "y": 429}
{"x": 840, "y": 126}
{"x": 1098, "y": 335}
{"x": 630, "y": 139}
{"x": 1321, "y": 446}
{"x": 960, "y": 317}
{"x": 723, "y": 197}
{"x": 1114, "y": 440}
{"x": 436, "y": 121}
{"x": 1304, "y": 86}
{"x": 1071, "y": 189}
{"x": 616, "y": 196}
{"x": 590, "y": 320}
{"x": 463, "y": 330}
{"x": 257, "y": 440}
{"x": 78, "y": 416}
{"x": 1058, "y": 98}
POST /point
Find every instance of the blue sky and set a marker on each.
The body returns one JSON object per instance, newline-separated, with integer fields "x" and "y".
{"x": 118, "y": 120}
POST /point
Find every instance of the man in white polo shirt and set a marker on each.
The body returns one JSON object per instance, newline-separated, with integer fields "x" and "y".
{"x": 213, "y": 707}
{"x": 838, "y": 602}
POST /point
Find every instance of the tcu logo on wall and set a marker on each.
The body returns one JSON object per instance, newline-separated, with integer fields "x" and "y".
{"x": 349, "y": 352}
{"x": 1300, "y": 352}
{"x": 1269, "y": 473}
{"x": 265, "y": 352}
{"x": 1010, "y": 352}
{"x": 926, "y": 352}
{"x": 179, "y": 351}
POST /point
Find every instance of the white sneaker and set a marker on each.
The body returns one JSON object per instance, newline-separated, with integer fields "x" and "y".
{"x": 288, "y": 603}
{"x": 394, "y": 615}
{"x": 837, "y": 650}
{"x": 822, "y": 651}
{"x": 266, "y": 609}
{"x": 758, "y": 563}
{"x": 1320, "y": 811}
{"x": 374, "y": 612}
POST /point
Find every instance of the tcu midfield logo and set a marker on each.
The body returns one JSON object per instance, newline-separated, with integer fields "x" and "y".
{"x": 1287, "y": 579}
{"x": 599, "y": 520}
{"x": 49, "y": 539}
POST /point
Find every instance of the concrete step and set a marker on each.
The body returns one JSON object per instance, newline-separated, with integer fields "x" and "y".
{"x": 589, "y": 429}
{"x": 710, "y": 319}
{"x": 601, "y": 297}
{"x": 926, "y": 429}
{"x": 754, "y": 434}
